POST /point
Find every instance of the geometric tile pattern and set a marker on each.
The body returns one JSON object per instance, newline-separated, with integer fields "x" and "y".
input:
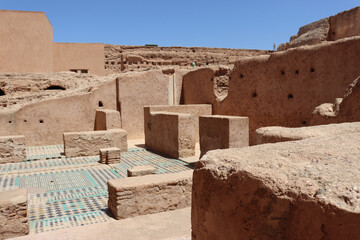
{"x": 74, "y": 189}
{"x": 76, "y": 198}
{"x": 33, "y": 166}
{"x": 163, "y": 164}
{"x": 44, "y": 152}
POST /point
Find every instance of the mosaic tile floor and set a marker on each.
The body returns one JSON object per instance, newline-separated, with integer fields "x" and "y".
{"x": 73, "y": 191}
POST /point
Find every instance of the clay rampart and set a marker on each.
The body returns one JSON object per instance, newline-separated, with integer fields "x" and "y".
{"x": 284, "y": 88}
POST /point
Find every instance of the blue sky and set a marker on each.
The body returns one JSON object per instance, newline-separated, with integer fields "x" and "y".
{"x": 251, "y": 24}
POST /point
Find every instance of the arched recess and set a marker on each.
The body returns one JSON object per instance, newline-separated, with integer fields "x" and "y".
{"x": 55, "y": 87}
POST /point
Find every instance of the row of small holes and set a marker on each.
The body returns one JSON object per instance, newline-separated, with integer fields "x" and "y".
{"x": 296, "y": 71}
{"x": 40, "y": 121}
{"x": 290, "y": 96}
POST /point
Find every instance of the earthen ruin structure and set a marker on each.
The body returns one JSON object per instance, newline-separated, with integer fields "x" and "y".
{"x": 153, "y": 142}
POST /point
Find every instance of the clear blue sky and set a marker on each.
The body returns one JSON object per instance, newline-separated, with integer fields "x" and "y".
{"x": 251, "y": 24}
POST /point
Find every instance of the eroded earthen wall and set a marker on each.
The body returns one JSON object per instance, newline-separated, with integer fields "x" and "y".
{"x": 120, "y": 58}
{"x": 44, "y": 122}
{"x": 284, "y": 88}
{"x": 297, "y": 190}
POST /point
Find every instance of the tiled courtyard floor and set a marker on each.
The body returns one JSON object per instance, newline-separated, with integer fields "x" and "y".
{"x": 67, "y": 192}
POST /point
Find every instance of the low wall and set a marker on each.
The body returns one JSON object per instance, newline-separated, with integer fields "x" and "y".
{"x": 12, "y": 149}
{"x": 89, "y": 143}
{"x": 282, "y": 134}
{"x": 305, "y": 189}
{"x": 13, "y": 214}
{"x": 194, "y": 109}
{"x": 129, "y": 197}
{"x": 44, "y": 122}
{"x": 172, "y": 134}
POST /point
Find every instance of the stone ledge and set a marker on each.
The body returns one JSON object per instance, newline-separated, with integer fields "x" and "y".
{"x": 141, "y": 171}
{"x": 130, "y": 197}
{"x": 307, "y": 189}
{"x": 283, "y": 134}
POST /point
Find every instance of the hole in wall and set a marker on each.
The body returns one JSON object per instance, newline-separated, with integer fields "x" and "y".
{"x": 312, "y": 70}
{"x": 9, "y": 121}
{"x": 101, "y": 104}
{"x": 282, "y": 72}
{"x": 254, "y": 95}
{"x": 84, "y": 70}
{"x": 193, "y": 50}
{"x": 55, "y": 87}
{"x": 290, "y": 96}
{"x": 41, "y": 121}
{"x": 2, "y": 93}
{"x": 241, "y": 75}
{"x": 25, "y": 120}
{"x": 333, "y": 33}
{"x": 297, "y": 72}
{"x": 303, "y": 122}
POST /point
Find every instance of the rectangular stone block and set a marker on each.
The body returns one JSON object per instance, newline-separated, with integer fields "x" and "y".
{"x": 107, "y": 119}
{"x": 141, "y": 171}
{"x": 129, "y": 197}
{"x": 194, "y": 109}
{"x": 110, "y": 155}
{"x": 172, "y": 134}
{"x": 12, "y": 149}
{"x": 13, "y": 214}
{"x": 221, "y": 132}
{"x": 89, "y": 143}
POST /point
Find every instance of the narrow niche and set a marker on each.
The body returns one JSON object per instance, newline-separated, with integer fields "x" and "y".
{"x": 55, "y": 87}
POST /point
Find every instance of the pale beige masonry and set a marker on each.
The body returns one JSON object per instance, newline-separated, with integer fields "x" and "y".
{"x": 110, "y": 155}
{"x": 221, "y": 132}
{"x": 12, "y": 149}
{"x": 283, "y": 134}
{"x": 195, "y": 109}
{"x": 307, "y": 189}
{"x": 136, "y": 90}
{"x": 89, "y": 143}
{"x": 86, "y": 57}
{"x": 172, "y": 134}
{"x": 129, "y": 197}
{"x": 26, "y": 42}
{"x": 13, "y": 214}
{"x": 107, "y": 119}
{"x": 141, "y": 171}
